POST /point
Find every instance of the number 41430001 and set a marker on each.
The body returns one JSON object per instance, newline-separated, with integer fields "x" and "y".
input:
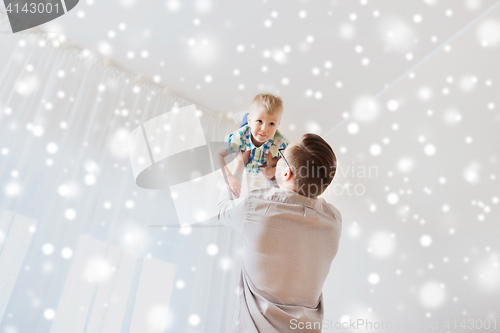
{"x": 33, "y": 8}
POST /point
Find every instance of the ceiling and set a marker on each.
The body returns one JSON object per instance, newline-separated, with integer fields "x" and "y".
{"x": 323, "y": 58}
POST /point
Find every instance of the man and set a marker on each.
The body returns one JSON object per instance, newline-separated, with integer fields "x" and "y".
{"x": 290, "y": 240}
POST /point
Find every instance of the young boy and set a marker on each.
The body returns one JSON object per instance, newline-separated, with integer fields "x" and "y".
{"x": 259, "y": 139}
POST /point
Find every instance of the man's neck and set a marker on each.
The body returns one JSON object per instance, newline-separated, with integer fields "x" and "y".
{"x": 288, "y": 186}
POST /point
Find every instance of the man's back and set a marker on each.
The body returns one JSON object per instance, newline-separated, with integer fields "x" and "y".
{"x": 289, "y": 244}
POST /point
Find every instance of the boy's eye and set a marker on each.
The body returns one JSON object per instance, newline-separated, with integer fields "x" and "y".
{"x": 259, "y": 121}
{"x": 272, "y": 124}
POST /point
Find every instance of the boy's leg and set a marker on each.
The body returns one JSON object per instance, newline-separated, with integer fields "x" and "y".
{"x": 244, "y": 120}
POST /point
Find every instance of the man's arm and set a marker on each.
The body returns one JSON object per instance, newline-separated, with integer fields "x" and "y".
{"x": 232, "y": 181}
{"x": 232, "y": 211}
{"x": 273, "y": 182}
{"x": 269, "y": 170}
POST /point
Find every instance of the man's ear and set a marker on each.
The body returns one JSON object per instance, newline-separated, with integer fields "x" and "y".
{"x": 288, "y": 174}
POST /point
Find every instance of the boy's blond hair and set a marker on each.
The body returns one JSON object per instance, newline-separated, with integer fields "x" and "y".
{"x": 273, "y": 105}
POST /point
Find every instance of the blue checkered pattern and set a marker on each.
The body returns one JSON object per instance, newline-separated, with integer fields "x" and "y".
{"x": 242, "y": 140}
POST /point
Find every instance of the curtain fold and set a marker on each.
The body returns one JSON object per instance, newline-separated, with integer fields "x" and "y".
{"x": 90, "y": 260}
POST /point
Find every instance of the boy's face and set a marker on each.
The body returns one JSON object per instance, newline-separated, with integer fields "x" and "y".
{"x": 263, "y": 125}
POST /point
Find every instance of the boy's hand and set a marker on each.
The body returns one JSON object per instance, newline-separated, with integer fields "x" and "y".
{"x": 234, "y": 185}
{"x": 270, "y": 161}
{"x": 268, "y": 172}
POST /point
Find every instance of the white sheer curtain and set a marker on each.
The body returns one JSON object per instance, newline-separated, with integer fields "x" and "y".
{"x": 78, "y": 252}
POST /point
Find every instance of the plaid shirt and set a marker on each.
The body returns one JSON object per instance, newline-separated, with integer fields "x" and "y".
{"x": 242, "y": 140}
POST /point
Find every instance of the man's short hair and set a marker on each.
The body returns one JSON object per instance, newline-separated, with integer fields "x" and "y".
{"x": 271, "y": 104}
{"x": 313, "y": 165}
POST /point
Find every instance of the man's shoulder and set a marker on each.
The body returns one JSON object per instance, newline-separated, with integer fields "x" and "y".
{"x": 274, "y": 193}
{"x": 334, "y": 210}
{"x": 262, "y": 192}
{"x": 278, "y": 195}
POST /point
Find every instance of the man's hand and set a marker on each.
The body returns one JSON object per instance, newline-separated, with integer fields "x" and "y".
{"x": 268, "y": 172}
{"x": 270, "y": 161}
{"x": 234, "y": 185}
{"x": 244, "y": 156}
